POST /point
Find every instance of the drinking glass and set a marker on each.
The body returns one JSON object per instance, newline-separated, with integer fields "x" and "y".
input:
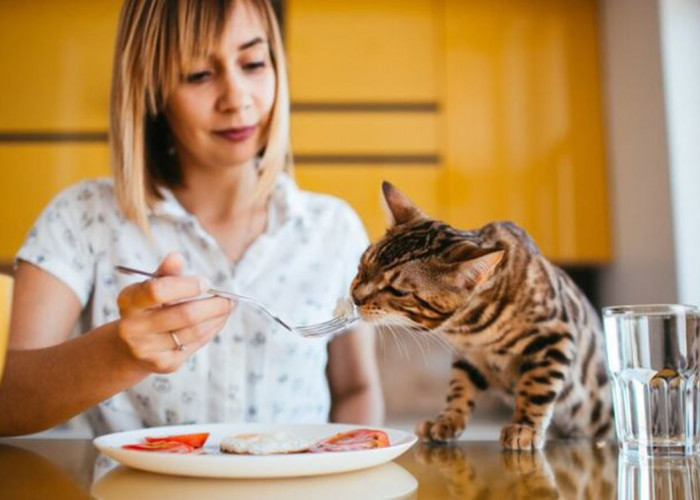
{"x": 653, "y": 360}
{"x": 661, "y": 478}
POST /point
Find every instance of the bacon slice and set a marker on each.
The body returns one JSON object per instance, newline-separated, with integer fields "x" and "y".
{"x": 358, "y": 439}
{"x": 163, "y": 446}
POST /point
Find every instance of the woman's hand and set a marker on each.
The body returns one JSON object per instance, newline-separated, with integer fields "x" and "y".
{"x": 153, "y": 310}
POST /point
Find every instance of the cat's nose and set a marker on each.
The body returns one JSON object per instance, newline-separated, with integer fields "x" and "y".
{"x": 360, "y": 294}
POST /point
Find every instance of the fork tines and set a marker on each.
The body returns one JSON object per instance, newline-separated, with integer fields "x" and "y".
{"x": 337, "y": 324}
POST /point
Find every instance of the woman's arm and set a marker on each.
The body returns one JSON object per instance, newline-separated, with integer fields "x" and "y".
{"x": 353, "y": 376}
{"x": 49, "y": 379}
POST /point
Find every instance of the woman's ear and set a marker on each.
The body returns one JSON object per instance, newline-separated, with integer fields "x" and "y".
{"x": 398, "y": 207}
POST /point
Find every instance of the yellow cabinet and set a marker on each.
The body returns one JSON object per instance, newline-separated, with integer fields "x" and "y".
{"x": 481, "y": 110}
{"x": 32, "y": 174}
{"x": 55, "y": 62}
{"x": 523, "y": 122}
{"x": 363, "y": 50}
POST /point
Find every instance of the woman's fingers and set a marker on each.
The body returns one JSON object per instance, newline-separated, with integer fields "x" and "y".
{"x": 184, "y": 315}
{"x": 196, "y": 336}
{"x": 155, "y": 310}
{"x": 160, "y": 291}
{"x": 172, "y": 265}
{"x": 159, "y": 353}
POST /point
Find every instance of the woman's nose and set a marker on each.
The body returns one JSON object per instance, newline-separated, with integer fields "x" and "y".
{"x": 234, "y": 95}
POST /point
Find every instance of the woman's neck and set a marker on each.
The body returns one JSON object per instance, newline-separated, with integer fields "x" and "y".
{"x": 220, "y": 197}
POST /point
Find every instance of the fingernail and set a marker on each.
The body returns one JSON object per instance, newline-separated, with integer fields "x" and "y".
{"x": 204, "y": 285}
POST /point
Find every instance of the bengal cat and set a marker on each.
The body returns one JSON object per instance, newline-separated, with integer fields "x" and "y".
{"x": 517, "y": 323}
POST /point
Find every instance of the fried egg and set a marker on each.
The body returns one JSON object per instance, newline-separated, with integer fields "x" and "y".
{"x": 265, "y": 444}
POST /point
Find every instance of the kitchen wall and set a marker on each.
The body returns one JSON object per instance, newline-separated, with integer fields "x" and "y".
{"x": 680, "y": 41}
{"x": 643, "y": 269}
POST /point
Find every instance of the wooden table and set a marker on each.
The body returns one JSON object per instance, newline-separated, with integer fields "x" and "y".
{"x": 59, "y": 468}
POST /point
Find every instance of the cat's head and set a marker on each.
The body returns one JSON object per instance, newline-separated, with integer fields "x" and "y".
{"x": 421, "y": 270}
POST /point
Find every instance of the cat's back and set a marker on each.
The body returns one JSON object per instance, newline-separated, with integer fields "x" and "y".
{"x": 537, "y": 285}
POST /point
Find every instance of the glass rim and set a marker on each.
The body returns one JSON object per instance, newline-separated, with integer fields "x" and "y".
{"x": 650, "y": 310}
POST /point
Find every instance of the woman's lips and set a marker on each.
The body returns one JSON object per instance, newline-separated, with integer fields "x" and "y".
{"x": 236, "y": 134}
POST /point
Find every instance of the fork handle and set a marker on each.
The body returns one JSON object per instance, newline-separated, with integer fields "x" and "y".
{"x": 213, "y": 291}
{"x": 250, "y": 300}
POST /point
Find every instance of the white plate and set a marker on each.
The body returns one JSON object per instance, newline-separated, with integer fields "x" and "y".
{"x": 248, "y": 466}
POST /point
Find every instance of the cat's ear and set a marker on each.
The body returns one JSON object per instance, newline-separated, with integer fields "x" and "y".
{"x": 474, "y": 265}
{"x": 398, "y": 207}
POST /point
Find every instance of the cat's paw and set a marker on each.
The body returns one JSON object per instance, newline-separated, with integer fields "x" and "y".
{"x": 523, "y": 463}
{"x": 442, "y": 429}
{"x": 521, "y": 437}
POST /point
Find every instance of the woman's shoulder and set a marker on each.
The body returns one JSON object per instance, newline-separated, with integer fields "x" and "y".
{"x": 81, "y": 204}
{"x": 333, "y": 217}
{"x": 329, "y": 209}
{"x": 86, "y": 195}
{"x": 88, "y": 191}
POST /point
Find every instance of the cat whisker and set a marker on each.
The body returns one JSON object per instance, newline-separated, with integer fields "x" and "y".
{"x": 418, "y": 338}
{"x": 404, "y": 332}
{"x": 389, "y": 323}
{"x": 402, "y": 341}
{"x": 396, "y": 342}
{"x": 382, "y": 342}
{"x": 423, "y": 331}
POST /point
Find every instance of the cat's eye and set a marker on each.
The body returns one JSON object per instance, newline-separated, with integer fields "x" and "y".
{"x": 395, "y": 292}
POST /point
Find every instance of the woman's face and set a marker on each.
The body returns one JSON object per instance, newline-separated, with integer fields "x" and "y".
{"x": 220, "y": 110}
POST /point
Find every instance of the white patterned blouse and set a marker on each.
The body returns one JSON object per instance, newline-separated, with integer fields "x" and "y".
{"x": 252, "y": 371}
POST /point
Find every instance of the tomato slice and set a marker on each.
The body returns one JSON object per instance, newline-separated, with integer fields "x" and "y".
{"x": 358, "y": 439}
{"x": 193, "y": 440}
{"x": 162, "y": 446}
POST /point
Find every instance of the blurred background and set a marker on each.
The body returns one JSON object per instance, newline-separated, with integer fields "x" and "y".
{"x": 577, "y": 119}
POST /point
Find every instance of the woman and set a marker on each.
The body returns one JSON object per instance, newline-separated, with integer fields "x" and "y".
{"x": 199, "y": 137}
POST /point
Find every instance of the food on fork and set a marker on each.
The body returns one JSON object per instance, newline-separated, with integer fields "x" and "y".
{"x": 344, "y": 308}
{"x": 265, "y": 444}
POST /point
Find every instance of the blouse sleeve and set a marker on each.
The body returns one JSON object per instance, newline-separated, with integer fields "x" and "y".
{"x": 58, "y": 242}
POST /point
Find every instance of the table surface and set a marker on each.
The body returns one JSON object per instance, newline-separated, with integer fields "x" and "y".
{"x": 66, "y": 468}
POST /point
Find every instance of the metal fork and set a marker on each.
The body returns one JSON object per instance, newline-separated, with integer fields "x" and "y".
{"x": 335, "y": 325}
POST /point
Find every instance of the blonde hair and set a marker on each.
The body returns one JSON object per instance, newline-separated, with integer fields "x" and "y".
{"x": 156, "y": 39}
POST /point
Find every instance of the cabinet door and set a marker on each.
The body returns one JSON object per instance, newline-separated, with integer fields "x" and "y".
{"x": 56, "y": 61}
{"x": 365, "y": 100}
{"x": 363, "y": 50}
{"x": 510, "y": 126}
{"x": 32, "y": 174}
{"x": 523, "y": 122}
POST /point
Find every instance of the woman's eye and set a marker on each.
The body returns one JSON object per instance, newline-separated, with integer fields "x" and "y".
{"x": 198, "y": 77}
{"x": 252, "y": 66}
{"x": 395, "y": 292}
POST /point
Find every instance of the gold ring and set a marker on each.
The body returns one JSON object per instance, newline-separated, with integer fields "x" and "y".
{"x": 179, "y": 346}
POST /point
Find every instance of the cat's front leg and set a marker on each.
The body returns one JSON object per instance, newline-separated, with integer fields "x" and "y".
{"x": 542, "y": 378}
{"x": 465, "y": 385}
